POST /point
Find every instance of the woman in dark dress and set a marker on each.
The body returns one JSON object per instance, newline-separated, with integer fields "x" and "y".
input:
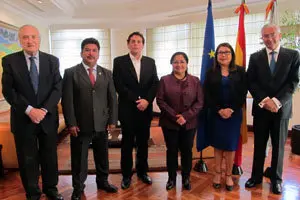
{"x": 180, "y": 99}
{"x": 225, "y": 90}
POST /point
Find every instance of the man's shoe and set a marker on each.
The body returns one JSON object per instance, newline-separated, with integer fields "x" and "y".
{"x": 237, "y": 170}
{"x": 110, "y": 188}
{"x": 267, "y": 172}
{"x": 186, "y": 184}
{"x": 276, "y": 188}
{"x": 170, "y": 184}
{"x": 55, "y": 196}
{"x": 145, "y": 178}
{"x": 76, "y": 196}
{"x": 251, "y": 183}
{"x": 125, "y": 183}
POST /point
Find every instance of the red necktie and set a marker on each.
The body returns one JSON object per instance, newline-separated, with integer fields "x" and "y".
{"x": 92, "y": 77}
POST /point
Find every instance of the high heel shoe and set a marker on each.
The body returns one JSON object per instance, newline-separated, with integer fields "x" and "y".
{"x": 229, "y": 187}
{"x": 217, "y": 185}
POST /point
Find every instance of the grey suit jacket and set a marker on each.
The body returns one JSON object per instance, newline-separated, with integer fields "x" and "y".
{"x": 91, "y": 108}
{"x": 281, "y": 84}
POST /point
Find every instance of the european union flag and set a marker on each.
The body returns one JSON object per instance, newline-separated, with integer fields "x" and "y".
{"x": 207, "y": 62}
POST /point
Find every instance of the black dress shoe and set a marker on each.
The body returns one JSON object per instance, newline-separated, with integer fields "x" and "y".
{"x": 251, "y": 183}
{"x": 267, "y": 172}
{"x": 170, "y": 184}
{"x": 217, "y": 185}
{"x": 107, "y": 187}
{"x": 55, "y": 196}
{"x": 145, "y": 178}
{"x": 125, "y": 183}
{"x": 237, "y": 170}
{"x": 229, "y": 187}
{"x": 276, "y": 188}
{"x": 76, "y": 196}
{"x": 186, "y": 184}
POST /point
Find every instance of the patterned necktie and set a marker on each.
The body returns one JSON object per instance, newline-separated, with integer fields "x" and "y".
{"x": 91, "y": 75}
{"x": 272, "y": 62}
{"x": 34, "y": 75}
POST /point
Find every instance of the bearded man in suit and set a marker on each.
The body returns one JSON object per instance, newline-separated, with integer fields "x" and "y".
{"x": 31, "y": 84}
{"x": 136, "y": 82}
{"x": 90, "y": 108}
{"x": 273, "y": 75}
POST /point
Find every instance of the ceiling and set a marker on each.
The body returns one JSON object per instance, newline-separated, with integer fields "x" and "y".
{"x": 128, "y": 13}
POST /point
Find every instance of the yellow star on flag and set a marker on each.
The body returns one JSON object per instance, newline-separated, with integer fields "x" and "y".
{"x": 211, "y": 54}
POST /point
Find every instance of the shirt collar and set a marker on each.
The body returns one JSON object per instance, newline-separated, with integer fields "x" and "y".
{"x": 276, "y": 50}
{"x": 87, "y": 67}
{"x": 27, "y": 56}
{"x": 133, "y": 58}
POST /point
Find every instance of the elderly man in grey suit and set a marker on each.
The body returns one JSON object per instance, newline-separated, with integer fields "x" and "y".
{"x": 90, "y": 109}
{"x": 273, "y": 75}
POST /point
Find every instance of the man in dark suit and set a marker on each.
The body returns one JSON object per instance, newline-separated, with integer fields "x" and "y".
{"x": 31, "y": 84}
{"x": 136, "y": 82}
{"x": 273, "y": 78}
{"x": 90, "y": 108}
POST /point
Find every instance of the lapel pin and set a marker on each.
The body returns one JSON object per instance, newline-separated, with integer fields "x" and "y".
{"x": 99, "y": 73}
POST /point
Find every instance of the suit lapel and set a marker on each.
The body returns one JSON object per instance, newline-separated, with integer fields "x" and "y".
{"x": 100, "y": 77}
{"x": 83, "y": 74}
{"x": 24, "y": 72}
{"x": 265, "y": 63}
{"x": 280, "y": 59}
{"x": 143, "y": 70}
{"x": 131, "y": 68}
{"x": 43, "y": 67}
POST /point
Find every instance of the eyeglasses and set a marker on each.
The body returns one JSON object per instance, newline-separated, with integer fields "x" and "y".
{"x": 226, "y": 53}
{"x": 267, "y": 36}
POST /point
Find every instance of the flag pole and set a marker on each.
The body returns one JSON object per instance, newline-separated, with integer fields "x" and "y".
{"x": 203, "y": 138}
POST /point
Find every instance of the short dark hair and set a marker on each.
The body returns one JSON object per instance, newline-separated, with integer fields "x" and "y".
{"x": 232, "y": 65}
{"x": 89, "y": 41}
{"x": 179, "y": 53}
{"x": 136, "y": 33}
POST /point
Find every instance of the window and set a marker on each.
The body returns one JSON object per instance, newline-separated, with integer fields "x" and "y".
{"x": 189, "y": 38}
{"x": 66, "y": 45}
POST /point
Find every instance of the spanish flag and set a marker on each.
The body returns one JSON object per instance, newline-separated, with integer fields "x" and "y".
{"x": 240, "y": 60}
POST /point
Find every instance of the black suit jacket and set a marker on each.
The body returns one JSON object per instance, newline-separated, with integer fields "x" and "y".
{"x": 91, "y": 108}
{"x": 18, "y": 91}
{"x": 130, "y": 90}
{"x": 212, "y": 89}
{"x": 281, "y": 84}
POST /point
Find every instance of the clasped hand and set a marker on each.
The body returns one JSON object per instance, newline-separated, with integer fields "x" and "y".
{"x": 142, "y": 104}
{"x": 225, "y": 113}
{"x": 180, "y": 120}
{"x": 37, "y": 115}
{"x": 270, "y": 105}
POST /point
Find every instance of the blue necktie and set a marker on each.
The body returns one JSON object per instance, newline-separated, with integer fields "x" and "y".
{"x": 34, "y": 75}
{"x": 272, "y": 62}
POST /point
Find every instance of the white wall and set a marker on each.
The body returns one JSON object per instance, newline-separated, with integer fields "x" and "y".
{"x": 16, "y": 19}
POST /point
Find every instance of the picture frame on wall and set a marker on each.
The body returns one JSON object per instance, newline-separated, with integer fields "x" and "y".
{"x": 8, "y": 44}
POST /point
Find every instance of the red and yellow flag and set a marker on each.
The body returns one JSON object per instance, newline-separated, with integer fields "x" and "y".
{"x": 240, "y": 59}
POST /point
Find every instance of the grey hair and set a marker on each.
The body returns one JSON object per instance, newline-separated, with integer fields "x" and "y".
{"x": 29, "y": 25}
{"x": 271, "y": 25}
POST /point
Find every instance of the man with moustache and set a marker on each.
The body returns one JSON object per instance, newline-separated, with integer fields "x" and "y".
{"x": 90, "y": 109}
{"x": 31, "y": 84}
{"x": 273, "y": 75}
{"x": 136, "y": 82}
